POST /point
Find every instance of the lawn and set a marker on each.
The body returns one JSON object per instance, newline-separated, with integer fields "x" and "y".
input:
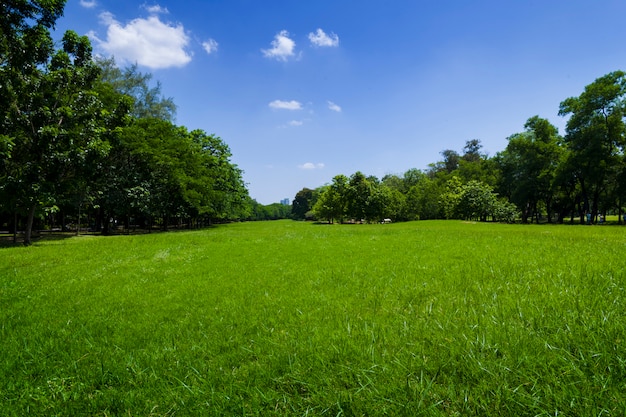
{"x": 440, "y": 318}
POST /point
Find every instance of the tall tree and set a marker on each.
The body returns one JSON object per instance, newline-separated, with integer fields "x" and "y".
{"x": 54, "y": 120}
{"x": 595, "y": 134}
{"x": 528, "y": 166}
{"x": 25, "y": 44}
{"x": 302, "y": 203}
{"x": 357, "y": 193}
{"x": 331, "y": 203}
{"x": 148, "y": 101}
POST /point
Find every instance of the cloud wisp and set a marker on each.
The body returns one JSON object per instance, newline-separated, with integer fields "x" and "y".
{"x": 149, "y": 42}
{"x": 310, "y": 166}
{"x": 156, "y": 9}
{"x": 283, "y": 47}
{"x": 321, "y": 39}
{"x": 88, "y": 4}
{"x": 210, "y": 46}
{"x": 334, "y": 107}
{"x": 286, "y": 105}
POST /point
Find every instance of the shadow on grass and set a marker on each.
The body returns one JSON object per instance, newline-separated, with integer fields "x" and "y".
{"x": 7, "y": 240}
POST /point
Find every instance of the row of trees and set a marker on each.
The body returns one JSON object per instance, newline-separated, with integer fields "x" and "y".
{"x": 413, "y": 196}
{"x": 539, "y": 175}
{"x": 80, "y": 138}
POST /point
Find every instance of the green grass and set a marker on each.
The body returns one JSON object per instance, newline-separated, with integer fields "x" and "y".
{"x": 287, "y": 318}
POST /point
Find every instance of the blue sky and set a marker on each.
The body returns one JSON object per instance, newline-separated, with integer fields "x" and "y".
{"x": 304, "y": 90}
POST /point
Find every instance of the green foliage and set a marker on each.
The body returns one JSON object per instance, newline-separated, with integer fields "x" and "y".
{"x": 332, "y": 203}
{"x": 477, "y": 201}
{"x": 529, "y": 166}
{"x": 85, "y": 135}
{"x": 303, "y": 203}
{"x": 291, "y": 318}
{"x": 54, "y": 118}
{"x": 539, "y": 171}
{"x": 596, "y": 135}
{"x": 147, "y": 99}
{"x": 274, "y": 211}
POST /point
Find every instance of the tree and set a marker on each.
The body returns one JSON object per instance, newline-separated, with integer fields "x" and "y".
{"x": 472, "y": 151}
{"x": 477, "y": 201}
{"x": 595, "y": 135}
{"x": 148, "y": 101}
{"x": 331, "y": 203}
{"x": 422, "y": 200}
{"x": 302, "y": 203}
{"x": 379, "y": 201}
{"x": 450, "y": 162}
{"x": 528, "y": 166}
{"x": 53, "y": 118}
{"x": 357, "y": 194}
{"x": 450, "y": 198}
{"x": 25, "y": 44}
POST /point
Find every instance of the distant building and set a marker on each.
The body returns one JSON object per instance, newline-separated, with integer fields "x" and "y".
{"x": 285, "y": 202}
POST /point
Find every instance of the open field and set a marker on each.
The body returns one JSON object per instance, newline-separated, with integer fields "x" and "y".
{"x": 286, "y": 318}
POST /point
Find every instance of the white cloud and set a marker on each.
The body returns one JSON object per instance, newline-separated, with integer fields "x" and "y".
{"x": 156, "y": 9}
{"x": 286, "y": 105}
{"x": 320, "y": 38}
{"x": 282, "y": 47}
{"x": 334, "y": 107}
{"x": 308, "y": 166}
{"x": 88, "y": 4}
{"x": 107, "y": 18}
{"x": 148, "y": 42}
{"x": 210, "y": 46}
{"x": 296, "y": 123}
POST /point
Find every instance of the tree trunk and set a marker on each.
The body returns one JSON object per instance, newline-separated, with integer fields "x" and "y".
{"x": 78, "y": 222}
{"x": 106, "y": 224}
{"x": 549, "y": 209}
{"x": 15, "y": 227}
{"x": 29, "y": 224}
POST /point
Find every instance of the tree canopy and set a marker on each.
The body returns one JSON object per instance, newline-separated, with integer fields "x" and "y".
{"x": 85, "y": 142}
{"x": 82, "y": 135}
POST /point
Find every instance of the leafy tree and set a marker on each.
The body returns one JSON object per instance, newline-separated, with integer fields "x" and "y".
{"x": 473, "y": 165}
{"x": 422, "y": 200}
{"x": 148, "y": 102}
{"x": 450, "y": 163}
{"x": 528, "y": 166}
{"x": 302, "y": 203}
{"x": 378, "y": 205}
{"x": 505, "y": 211}
{"x": 397, "y": 186}
{"x": 357, "y": 195}
{"x": 396, "y": 205}
{"x": 54, "y": 121}
{"x": 450, "y": 160}
{"x": 324, "y": 206}
{"x": 394, "y": 182}
{"x": 450, "y": 198}
{"x": 273, "y": 211}
{"x": 25, "y": 45}
{"x": 331, "y": 203}
{"x": 595, "y": 134}
{"x": 472, "y": 151}
{"x": 477, "y": 201}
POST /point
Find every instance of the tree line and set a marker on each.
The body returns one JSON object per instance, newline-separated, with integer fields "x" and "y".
{"x": 540, "y": 175}
{"x": 85, "y": 142}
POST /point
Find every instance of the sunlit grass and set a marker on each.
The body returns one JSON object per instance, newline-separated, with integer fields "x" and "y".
{"x": 288, "y": 318}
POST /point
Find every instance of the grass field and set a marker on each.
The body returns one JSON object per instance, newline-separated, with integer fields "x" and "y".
{"x": 289, "y": 318}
